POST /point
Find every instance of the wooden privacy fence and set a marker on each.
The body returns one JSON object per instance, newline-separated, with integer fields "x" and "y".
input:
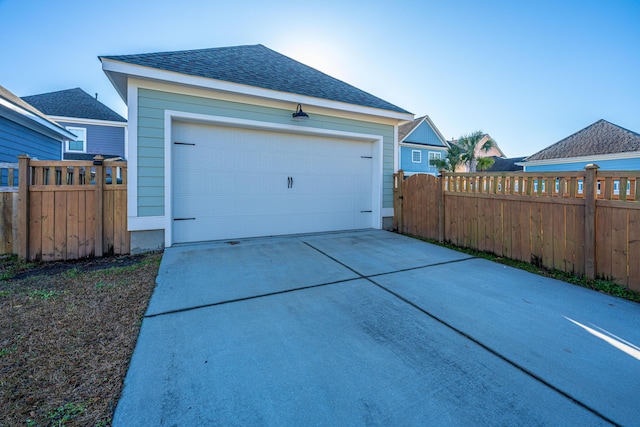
{"x": 71, "y": 209}
{"x": 583, "y": 223}
{"x": 8, "y": 207}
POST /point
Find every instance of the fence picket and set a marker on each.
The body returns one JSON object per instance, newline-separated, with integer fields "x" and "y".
{"x": 57, "y": 203}
{"x": 585, "y": 226}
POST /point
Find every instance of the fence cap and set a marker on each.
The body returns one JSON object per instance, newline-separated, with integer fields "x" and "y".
{"x": 592, "y": 166}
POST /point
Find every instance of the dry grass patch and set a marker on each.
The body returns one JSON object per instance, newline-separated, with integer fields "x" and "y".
{"x": 67, "y": 332}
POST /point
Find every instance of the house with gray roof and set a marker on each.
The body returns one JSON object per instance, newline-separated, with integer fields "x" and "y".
{"x": 243, "y": 141}
{"x": 26, "y": 130}
{"x": 609, "y": 146}
{"x": 420, "y": 142}
{"x": 97, "y": 128}
{"x": 503, "y": 164}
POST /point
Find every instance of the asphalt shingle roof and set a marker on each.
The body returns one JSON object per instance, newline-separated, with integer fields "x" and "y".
{"x": 258, "y": 66}
{"x": 10, "y": 97}
{"x": 406, "y": 128}
{"x": 73, "y": 103}
{"x": 501, "y": 164}
{"x": 599, "y": 138}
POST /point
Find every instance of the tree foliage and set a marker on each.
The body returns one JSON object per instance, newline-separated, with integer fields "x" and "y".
{"x": 451, "y": 161}
{"x": 469, "y": 143}
{"x": 464, "y": 152}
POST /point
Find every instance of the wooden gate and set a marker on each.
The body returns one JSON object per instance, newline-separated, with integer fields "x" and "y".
{"x": 72, "y": 209}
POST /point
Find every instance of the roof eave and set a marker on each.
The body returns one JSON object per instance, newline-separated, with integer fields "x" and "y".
{"x": 118, "y": 73}
{"x": 435, "y": 128}
{"x": 592, "y": 158}
{"x": 34, "y": 122}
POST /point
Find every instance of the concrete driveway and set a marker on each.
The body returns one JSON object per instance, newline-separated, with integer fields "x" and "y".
{"x": 374, "y": 328}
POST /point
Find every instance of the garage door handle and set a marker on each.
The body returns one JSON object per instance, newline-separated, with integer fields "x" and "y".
{"x": 289, "y": 182}
{"x": 183, "y": 219}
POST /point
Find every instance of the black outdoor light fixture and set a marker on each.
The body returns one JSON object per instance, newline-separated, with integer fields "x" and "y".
{"x": 299, "y": 114}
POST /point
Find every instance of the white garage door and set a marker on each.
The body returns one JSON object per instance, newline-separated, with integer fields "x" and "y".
{"x": 231, "y": 183}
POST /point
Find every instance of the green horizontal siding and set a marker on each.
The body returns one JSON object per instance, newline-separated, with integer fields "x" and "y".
{"x": 151, "y": 109}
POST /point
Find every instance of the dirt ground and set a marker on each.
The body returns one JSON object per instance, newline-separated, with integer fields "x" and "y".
{"x": 67, "y": 332}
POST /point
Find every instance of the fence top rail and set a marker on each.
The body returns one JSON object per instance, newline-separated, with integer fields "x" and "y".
{"x": 619, "y": 174}
{"x": 8, "y": 165}
{"x": 573, "y": 174}
{"x": 74, "y": 163}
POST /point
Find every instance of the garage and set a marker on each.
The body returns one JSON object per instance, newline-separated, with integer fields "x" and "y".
{"x": 236, "y": 182}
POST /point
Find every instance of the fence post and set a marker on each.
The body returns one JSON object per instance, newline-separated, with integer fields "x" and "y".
{"x": 590, "y": 186}
{"x": 397, "y": 200}
{"x": 443, "y": 180}
{"x": 23, "y": 206}
{"x": 97, "y": 161}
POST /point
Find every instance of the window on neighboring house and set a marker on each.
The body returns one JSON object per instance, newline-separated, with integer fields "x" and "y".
{"x": 80, "y": 143}
{"x": 433, "y": 156}
{"x": 416, "y": 156}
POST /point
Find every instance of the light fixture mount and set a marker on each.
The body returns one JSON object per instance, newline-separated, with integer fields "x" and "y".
{"x": 299, "y": 114}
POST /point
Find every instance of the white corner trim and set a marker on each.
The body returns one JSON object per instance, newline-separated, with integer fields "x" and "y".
{"x": 170, "y": 116}
{"x": 131, "y": 152}
{"x": 396, "y": 150}
{"x": 112, "y": 66}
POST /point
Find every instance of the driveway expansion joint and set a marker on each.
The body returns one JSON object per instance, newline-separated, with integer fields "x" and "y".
{"x": 213, "y": 304}
{"x": 464, "y": 334}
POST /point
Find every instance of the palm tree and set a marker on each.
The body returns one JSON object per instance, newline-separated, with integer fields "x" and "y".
{"x": 484, "y": 163}
{"x": 468, "y": 144}
{"x": 451, "y": 161}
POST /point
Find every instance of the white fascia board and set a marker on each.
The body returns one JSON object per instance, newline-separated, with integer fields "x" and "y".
{"x": 35, "y": 122}
{"x": 81, "y": 121}
{"x": 591, "y": 159}
{"x": 423, "y": 146}
{"x": 437, "y": 131}
{"x": 139, "y": 71}
{"x": 415, "y": 127}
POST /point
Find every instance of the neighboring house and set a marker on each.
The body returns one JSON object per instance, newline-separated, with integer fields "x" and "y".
{"x": 98, "y": 129}
{"x": 494, "y": 151}
{"x": 419, "y": 142}
{"x": 25, "y": 130}
{"x": 609, "y": 146}
{"x": 501, "y": 164}
{"x": 243, "y": 141}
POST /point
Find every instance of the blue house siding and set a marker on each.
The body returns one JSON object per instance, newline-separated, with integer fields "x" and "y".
{"x": 410, "y": 167}
{"x": 616, "y": 164}
{"x": 16, "y": 139}
{"x": 107, "y": 140}
{"x": 424, "y": 134}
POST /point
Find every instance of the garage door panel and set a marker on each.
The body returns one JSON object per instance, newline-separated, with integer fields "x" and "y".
{"x": 236, "y": 183}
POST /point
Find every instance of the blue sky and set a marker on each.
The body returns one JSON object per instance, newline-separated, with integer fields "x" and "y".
{"x": 528, "y": 73}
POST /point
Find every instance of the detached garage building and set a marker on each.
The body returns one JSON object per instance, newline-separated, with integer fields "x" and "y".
{"x": 242, "y": 141}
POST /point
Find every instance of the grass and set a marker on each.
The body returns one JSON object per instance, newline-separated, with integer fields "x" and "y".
{"x": 67, "y": 332}
{"x": 600, "y": 285}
